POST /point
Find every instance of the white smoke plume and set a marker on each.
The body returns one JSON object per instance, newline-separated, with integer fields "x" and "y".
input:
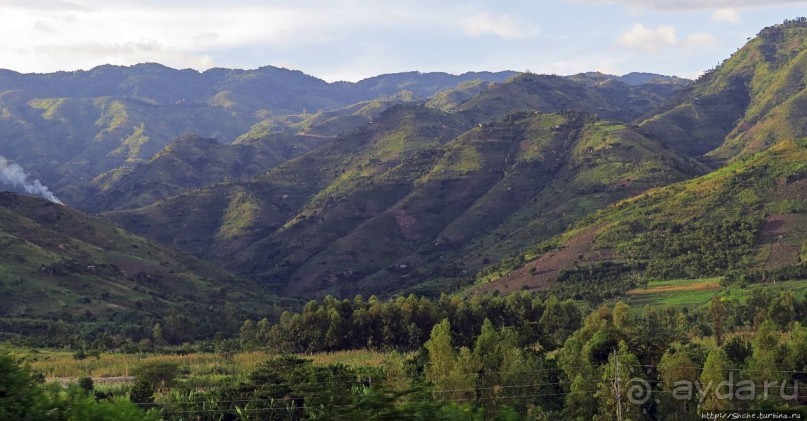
{"x": 12, "y": 174}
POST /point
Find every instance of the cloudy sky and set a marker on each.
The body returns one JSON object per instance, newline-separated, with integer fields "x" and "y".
{"x": 353, "y": 39}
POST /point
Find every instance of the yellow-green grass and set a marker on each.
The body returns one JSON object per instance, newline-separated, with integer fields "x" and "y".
{"x": 352, "y": 358}
{"x": 61, "y": 364}
{"x": 697, "y": 292}
{"x": 677, "y": 285}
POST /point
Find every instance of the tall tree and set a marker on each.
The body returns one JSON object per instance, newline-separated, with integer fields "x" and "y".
{"x": 764, "y": 364}
{"x": 716, "y": 370}
{"x": 441, "y": 353}
{"x": 263, "y": 327}
{"x": 717, "y": 317}
{"x": 623, "y": 387}
{"x": 452, "y": 374}
{"x": 677, "y": 375}
{"x": 157, "y": 335}
{"x": 580, "y": 402}
{"x": 19, "y": 391}
{"x": 248, "y": 335}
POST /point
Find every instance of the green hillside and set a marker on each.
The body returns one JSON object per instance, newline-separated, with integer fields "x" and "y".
{"x": 609, "y": 99}
{"x": 67, "y": 128}
{"x": 449, "y": 99}
{"x": 495, "y": 190}
{"x": 745, "y": 104}
{"x": 66, "y": 142}
{"x": 417, "y": 195}
{"x": 225, "y": 218}
{"x": 58, "y": 263}
{"x": 747, "y": 217}
{"x": 192, "y": 162}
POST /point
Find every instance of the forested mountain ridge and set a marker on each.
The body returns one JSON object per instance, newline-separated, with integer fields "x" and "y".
{"x": 278, "y": 90}
{"x": 399, "y": 195}
{"x": 191, "y": 162}
{"x": 69, "y": 127}
{"x": 746, "y": 217}
{"x": 743, "y": 106}
{"x": 608, "y": 98}
{"x": 423, "y": 187}
{"x": 274, "y": 141}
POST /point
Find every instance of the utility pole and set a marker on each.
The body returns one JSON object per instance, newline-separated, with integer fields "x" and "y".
{"x": 617, "y": 387}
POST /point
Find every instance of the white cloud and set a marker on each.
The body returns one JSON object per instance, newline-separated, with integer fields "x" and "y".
{"x": 143, "y": 50}
{"x": 653, "y": 40}
{"x": 68, "y": 39}
{"x": 41, "y": 4}
{"x": 373, "y": 58}
{"x": 726, "y": 15}
{"x": 502, "y": 26}
{"x": 700, "y": 40}
{"x": 79, "y": 34}
{"x": 326, "y": 38}
{"x": 650, "y": 40}
{"x": 686, "y": 5}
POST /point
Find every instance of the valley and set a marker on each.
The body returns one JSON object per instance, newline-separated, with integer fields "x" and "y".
{"x": 263, "y": 244}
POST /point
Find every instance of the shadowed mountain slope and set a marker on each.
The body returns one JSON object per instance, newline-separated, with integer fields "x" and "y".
{"x": 60, "y": 263}
{"x": 410, "y": 197}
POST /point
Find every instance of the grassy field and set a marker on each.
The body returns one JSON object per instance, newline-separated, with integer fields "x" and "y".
{"x": 697, "y": 292}
{"x": 676, "y": 293}
{"x": 201, "y": 369}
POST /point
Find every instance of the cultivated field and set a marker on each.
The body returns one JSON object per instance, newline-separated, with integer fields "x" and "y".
{"x": 696, "y": 292}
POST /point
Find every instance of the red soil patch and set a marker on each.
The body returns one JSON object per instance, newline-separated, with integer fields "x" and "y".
{"x": 793, "y": 189}
{"x": 783, "y": 254}
{"x": 784, "y": 234}
{"x": 407, "y": 224}
{"x": 548, "y": 266}
{"x": 775, "y": 225}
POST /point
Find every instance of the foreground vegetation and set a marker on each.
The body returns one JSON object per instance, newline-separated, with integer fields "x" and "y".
{"x": 24, "y": 397}
{"x": 514, "y": 357}
{"x": 60, "y": 364}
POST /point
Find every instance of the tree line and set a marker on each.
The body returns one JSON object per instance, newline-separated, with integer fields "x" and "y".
{"x": 404, "y": 323}
{"x": 514, "y": 357}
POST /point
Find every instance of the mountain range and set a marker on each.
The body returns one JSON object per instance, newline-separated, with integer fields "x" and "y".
{"x": 418, "y": 182}
{"x": 747, "y": 119}
{"x": 401, "y": 192}
{"x": 68, "y": 128}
